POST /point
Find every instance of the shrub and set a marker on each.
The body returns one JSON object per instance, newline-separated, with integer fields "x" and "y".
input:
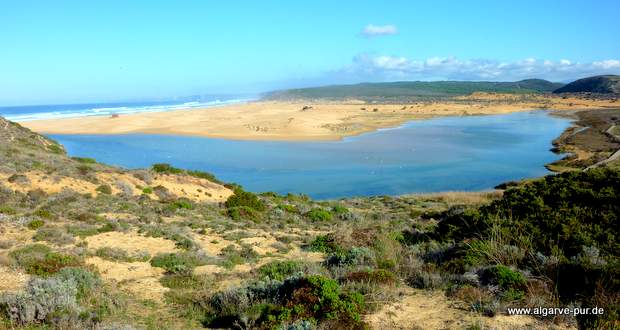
{"x": 242, "y": 198}
{"x": 178, "y": 263}
{"x": 5, "y": 209}
{"x": 85, "y": 281}
{"x": 325, "y": 244}
{"x": 478, "y": 299}
{"x": 503, "y": 276}
{"x": 424, "y": 279}
{"x": 272, "y": 303}
{"x": 84, "y": 160}
{"x": 42, "y": 301}
{"x": 36, "y": 224}
{"x": 234, "y": 256}
{"x": 319, "y": 215}
{"x": 181, "y": 203}
{"x": 38, "y": 259}
{"x": 18, "y": 178}
{"x": 169, "y": 169}
{"x": 569, "y": 210}
{"x": 43, "y": 213}
{"x": 55, "y": 148}
{"x": 169, "y": 232}
{"x": 147, "y": 190}
{"x": 84, "y": 230}
{"x": 243, "y": 212}
{"x": 116, "y": 254}
{"x": 166, "y": 168}
{"x": 184, "y": 281}
{"x": 204, "y": 175}
{"x": 354, "y": 256}
{"x": 379, "y": 276}
{"x": 339, "y": 209}
{"x": 104, "y": 189}
{"x": 53, "y": 235}
{"x": 320, "y": 297}
{"x": 288, "y": 208}
{"x": 280, "y": 270}
{"x": 84, "y": 169}
{"x": 562, "y": 227}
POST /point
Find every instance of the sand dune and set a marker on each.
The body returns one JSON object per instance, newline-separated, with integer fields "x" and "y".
{"x": 319, "y": 120}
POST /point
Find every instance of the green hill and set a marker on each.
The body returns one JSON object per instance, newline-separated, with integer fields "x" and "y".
{"x": 598, "y": 84}
{"x": 406, "y": 89}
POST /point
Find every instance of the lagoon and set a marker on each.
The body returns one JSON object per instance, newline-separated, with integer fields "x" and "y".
{"x": 467, "y": 153}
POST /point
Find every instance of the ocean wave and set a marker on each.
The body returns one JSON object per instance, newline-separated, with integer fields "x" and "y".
{"x": 119, "y": 110}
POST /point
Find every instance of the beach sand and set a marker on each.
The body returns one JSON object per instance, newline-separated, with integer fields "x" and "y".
{"x": 304, "y": 120}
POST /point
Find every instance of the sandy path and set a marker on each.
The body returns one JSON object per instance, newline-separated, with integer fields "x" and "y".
{"x": 290, "y": 121}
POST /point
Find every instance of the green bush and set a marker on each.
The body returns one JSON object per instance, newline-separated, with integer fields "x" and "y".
{"x": 184, "y": 281}
{"x": 84, "y": 169}
{"x": 243, "y": 212}
{"x": 204, "y": 175}
{"x": 43, "y": 300}
{"x": 169, "y": 169}
{"x": 319, "y": 297}
{"x": 43, "y": 213}
{"x": 38, "y": 259}
{"x": 177, "y": 263}
{"x": 116, "y": 254}
{"x": 84, "y": 160}
{"x": 566, "y": 211}
{"x": 325, "y": 244}
{"x": 377, "y": 276}
{"x": 503, "y": 276}
{"x": 273, "y": 303}
{"x": 234, "y": 256}
{"x": 5, "y": 209}
{"x": 166, "y": 168}
{"x": 147, "y": 190}
{"x": 339, "y": 209}
{"x": 55, "y": 148}
{"x": 84, "y": 230}
{"x": 85, "y": 281}
{"x": 242, "y": 198}
{"x": 53, "y": 235}
{"x": 562, "y": 227}
{"x": 181, "y": 203}
{"x": 104, "y": 189}
{"x": 36, "y": 224}
{"x": 280, "y": 270}
{"x": 288, "y": 208}
{"x": 319, "y": 215}
{"x": 172, "y": 233}
{"x": 354, "y": 256}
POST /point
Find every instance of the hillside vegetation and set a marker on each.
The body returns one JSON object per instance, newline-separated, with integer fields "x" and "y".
{"x": 165, "y": 248}
{"x": 414, "y": 89}
{"x": 607, "y": 84}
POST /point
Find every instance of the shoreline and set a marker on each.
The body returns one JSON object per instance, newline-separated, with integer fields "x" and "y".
{"x": 303, "y": 121}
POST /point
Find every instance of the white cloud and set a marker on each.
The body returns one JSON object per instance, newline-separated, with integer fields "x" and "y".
{"x": 367, "y": 67}
{"x": 379, "y": 30}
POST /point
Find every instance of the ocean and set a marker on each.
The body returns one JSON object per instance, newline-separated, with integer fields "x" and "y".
{"x": 35, "y": 112}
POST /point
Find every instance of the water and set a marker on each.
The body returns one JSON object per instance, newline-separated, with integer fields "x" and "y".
{"x": 34, "y": 112}
{"x": 441, "y": 154}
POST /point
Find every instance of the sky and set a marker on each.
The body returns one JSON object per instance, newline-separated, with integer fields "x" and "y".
{"x": 96, "y": 51}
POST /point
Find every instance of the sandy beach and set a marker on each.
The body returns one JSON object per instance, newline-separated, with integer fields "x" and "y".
{"x": 304, "y": 120}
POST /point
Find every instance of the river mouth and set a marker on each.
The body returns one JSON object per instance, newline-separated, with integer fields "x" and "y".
{"x": 468, "y": 153}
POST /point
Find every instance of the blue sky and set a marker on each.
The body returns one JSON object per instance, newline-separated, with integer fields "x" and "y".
{"x": 86, "y": 51}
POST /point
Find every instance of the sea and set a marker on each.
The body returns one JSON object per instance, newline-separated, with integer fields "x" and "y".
{"x": 55, "y": 111}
